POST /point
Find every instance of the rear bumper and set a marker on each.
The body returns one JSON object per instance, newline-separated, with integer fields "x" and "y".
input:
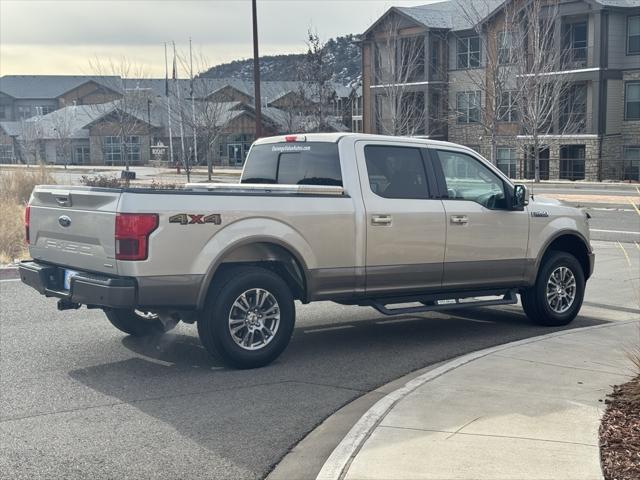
{"x": 85, "y": 288}
{"x": 592, "y": 263}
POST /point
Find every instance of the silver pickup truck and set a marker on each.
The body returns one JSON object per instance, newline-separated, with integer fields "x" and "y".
{"x": 403, "y": 225}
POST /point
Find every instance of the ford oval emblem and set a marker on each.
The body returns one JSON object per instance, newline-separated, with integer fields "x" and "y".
{"x": 64, "y": 221}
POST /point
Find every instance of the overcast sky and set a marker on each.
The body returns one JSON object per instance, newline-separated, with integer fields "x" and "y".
{"x": 62, "y": 36}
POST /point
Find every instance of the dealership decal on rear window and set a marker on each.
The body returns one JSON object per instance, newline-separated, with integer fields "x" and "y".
{"x": 290, "y": 148}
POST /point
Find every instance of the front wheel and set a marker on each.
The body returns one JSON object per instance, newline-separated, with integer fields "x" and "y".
{"x": 556, "y": 297}
{"x": 248, "y": 318}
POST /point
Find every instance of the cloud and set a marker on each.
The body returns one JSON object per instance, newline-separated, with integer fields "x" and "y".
{"x": 54, "y": 36}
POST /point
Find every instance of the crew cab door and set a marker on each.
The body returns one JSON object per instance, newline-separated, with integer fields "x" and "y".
{"x": 486, "y": 240}
{"x": 405, "y": 223}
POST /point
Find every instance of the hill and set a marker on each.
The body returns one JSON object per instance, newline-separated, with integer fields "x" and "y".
{"x": 342, "y": 54}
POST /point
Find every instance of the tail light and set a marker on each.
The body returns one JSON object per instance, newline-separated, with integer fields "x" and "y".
{"x": 27, "y": 221}
{"x": 132, "y": 235}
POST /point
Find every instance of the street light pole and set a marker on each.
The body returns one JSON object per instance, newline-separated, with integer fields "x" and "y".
{"x": 256, "y": 72}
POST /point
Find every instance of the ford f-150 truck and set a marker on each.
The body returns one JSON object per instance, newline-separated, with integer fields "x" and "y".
{"x": 404, "y": 225}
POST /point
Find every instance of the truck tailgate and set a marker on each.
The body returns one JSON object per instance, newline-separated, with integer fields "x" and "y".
{"x": 74, "y": 227}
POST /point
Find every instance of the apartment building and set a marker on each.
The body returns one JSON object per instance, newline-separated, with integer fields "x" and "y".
{"x": 443, "y": 49}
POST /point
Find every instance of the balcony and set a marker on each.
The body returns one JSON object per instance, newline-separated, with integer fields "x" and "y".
{"x": 574, "y": 58}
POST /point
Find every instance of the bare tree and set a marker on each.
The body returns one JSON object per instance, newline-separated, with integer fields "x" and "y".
{"x": 548, "y": 103}
{"x": 498, "y": 43}
{"x": 31, "y": 140}
{"x": 399, "y": 60}
{"x": 63, "y": 122}
{"x": 127, "y": 114}
{"x": 316, "y": 76}
{"x": 201, "y": 114}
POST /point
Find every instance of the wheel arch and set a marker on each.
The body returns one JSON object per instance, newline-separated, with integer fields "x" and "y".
{"x": 262, "y": 251}
{"x": 570, "y": 242}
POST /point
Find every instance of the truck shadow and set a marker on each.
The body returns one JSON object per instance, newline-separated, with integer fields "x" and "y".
{"x": 173, "y": 380}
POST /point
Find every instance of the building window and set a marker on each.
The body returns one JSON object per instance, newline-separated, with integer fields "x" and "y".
{"x": 24, "y": 111}
{"x": 574, "y": 37}
{"x": 435, "y": 63}
{"x": 357, "y": 106}
{"x": 633, "y": 35}
{"x": 506, "y": 161}
{"x": 468, "y": 52}
{"x": 572, "y": 162}
{"x": 45, "y": 109}
{"x": 412, "y": 114}
{"x": 132, "y": 148}
{"x": 530, "y": 163}
{"x": 4, "y": 112}
{"x": 412, "y": 59}
{"x": 508, "y": 109}
{"x": 81, "y": 154}
{"x": 631, "y": 158}
{"x": 468, "y": 107}
{"x": 505, "y": 47}
{"x": 434, "y": 107}
{"x": 112, "y": 151}
{"x": 573, "y": 109}
{"x": 632, "y": 101}
{"x": 6, "y": 153}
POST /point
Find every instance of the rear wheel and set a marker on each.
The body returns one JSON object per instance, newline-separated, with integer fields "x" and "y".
{"x": 556, "y": 298}
{"x": 137, "y": 323}
{"x": 249, "y": 317}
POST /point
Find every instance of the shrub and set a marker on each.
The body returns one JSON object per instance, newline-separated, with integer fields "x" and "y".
{"x": 17, "y": 185}
{"x": 15, "y": 189}
{"x": 104, "y": 181}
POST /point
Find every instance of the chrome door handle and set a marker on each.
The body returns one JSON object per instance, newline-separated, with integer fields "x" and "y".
{"x": 459, "y": 219}
{"x": 381, "y": 220}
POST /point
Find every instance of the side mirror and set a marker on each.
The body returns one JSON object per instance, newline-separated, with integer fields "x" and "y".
{"x": 520, "y": 196}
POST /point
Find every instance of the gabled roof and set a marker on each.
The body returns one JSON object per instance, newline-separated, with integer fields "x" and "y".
{"x": 50, "y": 86}
{"x": 449, "y": 14}
{"x": 12, "y": 129}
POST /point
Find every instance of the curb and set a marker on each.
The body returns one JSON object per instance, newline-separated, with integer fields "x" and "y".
{"x": 9, "y": 273}
{"x": 338, "y": 463}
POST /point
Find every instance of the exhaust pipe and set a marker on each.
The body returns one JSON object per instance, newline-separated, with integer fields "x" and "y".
{"x": 67, "y": 305}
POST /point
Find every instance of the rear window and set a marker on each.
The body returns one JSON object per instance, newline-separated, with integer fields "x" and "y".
{"x": 308, "y": 163}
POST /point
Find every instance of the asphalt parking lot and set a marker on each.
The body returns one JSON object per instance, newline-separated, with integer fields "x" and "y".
{"x": 81, "y": 400}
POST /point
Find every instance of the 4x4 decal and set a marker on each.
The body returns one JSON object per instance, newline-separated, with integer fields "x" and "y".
{"x": 195, "y": 218}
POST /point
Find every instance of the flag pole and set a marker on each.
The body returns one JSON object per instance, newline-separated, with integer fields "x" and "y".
{"x": 193, "y": 107}
{"x": 175, "y": 79}
{"x": 166, "y": 94}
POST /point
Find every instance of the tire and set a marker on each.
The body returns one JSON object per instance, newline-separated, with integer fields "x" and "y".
{"x": 559, "y": 309}
{"x": 249, "y": 345}
{"x": 135, "y": 324}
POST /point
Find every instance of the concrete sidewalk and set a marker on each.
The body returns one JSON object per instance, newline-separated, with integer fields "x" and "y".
{"x": 527, "y": 410}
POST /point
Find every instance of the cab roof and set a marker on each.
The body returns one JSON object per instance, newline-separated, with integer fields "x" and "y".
{"x": 336, "y": 137}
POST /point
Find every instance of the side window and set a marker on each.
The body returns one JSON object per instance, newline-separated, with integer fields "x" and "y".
{"x": 468, "y": 179}
{"x": 396, "y": 172}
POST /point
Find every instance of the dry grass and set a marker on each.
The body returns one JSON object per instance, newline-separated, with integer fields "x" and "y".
{"x": 634, "y": 389}
{"x": 15, "y": 190}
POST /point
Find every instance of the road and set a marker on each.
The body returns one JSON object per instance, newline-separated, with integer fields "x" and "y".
{"x": 81, "y": 400}
{"x": 614, "y": 208}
